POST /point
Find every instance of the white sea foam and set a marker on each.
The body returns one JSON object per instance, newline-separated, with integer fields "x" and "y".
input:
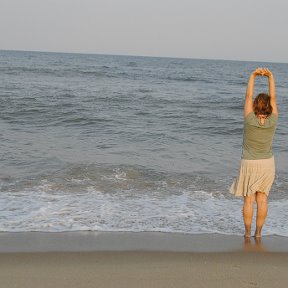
{"x": 185, "y": 212}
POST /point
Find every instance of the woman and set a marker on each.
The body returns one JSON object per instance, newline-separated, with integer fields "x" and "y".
{"x": 257, "y": 169}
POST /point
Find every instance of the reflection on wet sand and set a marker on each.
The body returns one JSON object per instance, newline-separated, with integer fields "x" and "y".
{"x": 253, "y": 245}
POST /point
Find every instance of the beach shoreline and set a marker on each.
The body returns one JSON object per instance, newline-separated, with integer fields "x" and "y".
{"x": 88, "y": 241}
{"x": 144, "y": 259}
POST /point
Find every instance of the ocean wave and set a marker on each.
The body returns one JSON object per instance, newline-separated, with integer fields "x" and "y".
{"x": 190, "y": 79}
{"x": 32, "y": 70}
{"x": 125, "y": 198}
{"x": 101, "y": 72}
{"x": 131, "y": 64}
{"x": 92, "y": 210}
{"x": 74, "y": 120}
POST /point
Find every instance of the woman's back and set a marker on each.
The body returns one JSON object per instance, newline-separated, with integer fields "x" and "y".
{"x": 257, "y": 137}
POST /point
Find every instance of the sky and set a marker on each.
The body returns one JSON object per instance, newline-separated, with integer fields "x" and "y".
{"x": 252, "y": 30}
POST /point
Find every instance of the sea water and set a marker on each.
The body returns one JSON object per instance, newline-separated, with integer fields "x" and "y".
{"x": 122, "y": 143}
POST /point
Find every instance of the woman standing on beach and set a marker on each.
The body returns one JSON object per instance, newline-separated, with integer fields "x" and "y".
{"x": 257, "y": 169}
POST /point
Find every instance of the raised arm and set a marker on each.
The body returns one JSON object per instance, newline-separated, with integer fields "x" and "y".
{"x": 272, "y": 93}
{"x": 248, "y": 107}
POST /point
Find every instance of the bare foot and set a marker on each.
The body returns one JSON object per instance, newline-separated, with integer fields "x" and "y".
{"x": 247, "y": 232}
{"x": 258, "y": 232}
{"x": 247, "y": 240}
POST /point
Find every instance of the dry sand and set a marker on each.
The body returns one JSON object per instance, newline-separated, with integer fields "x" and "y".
{"x": 249, "y": 265}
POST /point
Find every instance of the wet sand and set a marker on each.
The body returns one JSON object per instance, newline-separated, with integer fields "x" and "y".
{"x": 91, "y": 259}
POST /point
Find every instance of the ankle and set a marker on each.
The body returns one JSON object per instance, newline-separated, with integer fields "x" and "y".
{"x": 247, "y": 232}
{"x": 258, "y": 232}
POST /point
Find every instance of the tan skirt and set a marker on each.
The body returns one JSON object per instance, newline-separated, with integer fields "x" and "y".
{"x": 254, "y": 175}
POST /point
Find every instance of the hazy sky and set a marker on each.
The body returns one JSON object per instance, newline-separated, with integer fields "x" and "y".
{"x": 211, "y": 29}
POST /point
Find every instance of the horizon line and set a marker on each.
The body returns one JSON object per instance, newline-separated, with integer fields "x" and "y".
{"x": 133, "y": 55}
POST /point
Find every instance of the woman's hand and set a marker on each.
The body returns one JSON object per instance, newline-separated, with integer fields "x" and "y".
{"x": 267, "y": 72}
{"x": 258, "y": 72}
{"x": 262, "y": 72}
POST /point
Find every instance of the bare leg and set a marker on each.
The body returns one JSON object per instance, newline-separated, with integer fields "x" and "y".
{"x": 262, "y": 209}
{"x": 248, "y": 213}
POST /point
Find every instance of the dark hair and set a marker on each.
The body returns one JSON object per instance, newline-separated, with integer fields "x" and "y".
{"x": 261, "y": 105}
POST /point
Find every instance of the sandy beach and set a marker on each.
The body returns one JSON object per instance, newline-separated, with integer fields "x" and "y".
{"x": 95, "y": 260}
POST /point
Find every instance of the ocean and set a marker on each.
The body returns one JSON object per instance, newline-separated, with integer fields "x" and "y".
{"x": 125, "y": 143}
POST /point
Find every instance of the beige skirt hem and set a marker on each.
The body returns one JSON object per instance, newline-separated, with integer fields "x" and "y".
{"x": 254, "y": 176}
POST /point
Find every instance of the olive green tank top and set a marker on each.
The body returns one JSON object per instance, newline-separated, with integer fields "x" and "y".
{"x": 257, "y": 138}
